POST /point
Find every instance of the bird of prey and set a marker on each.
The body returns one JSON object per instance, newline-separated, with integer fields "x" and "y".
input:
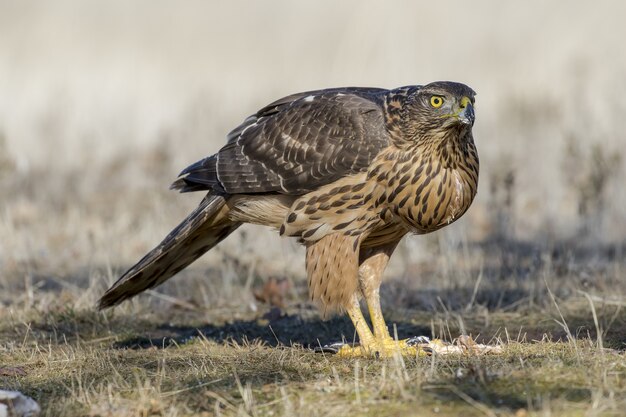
{"x": 348, "y": 171}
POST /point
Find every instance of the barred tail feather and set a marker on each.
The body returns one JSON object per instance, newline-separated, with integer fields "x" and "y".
{"x": 204, "y": 228}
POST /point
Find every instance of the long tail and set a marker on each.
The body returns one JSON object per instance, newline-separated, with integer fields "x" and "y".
{"x": 204, "y": 228}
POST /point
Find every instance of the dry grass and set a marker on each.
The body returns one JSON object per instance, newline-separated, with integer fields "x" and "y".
{"x": 102, "y": 105}
{"x": 83, "y": 363}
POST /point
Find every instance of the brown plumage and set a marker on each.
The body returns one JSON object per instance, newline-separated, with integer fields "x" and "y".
{"x": 349, "y": 171}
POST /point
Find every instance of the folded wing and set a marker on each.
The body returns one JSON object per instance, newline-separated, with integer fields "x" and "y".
{"x": 295, "y": 145}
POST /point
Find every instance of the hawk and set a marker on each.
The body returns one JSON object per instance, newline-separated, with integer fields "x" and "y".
{"x": 348, "y": 171}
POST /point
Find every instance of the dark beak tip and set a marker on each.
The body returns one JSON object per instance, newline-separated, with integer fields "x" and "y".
{"x": 468, "y": 115}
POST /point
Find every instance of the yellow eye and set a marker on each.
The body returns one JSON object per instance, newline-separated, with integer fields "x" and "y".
{"x": 436, "y": 101}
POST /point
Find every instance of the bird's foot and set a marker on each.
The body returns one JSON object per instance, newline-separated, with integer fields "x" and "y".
{"x": 415, "y": 346}
{"x": 384, "y": 348}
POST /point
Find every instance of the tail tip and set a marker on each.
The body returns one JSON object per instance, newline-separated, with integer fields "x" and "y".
{"x": 107, "y": 301}
{"x": 102, "y": 305}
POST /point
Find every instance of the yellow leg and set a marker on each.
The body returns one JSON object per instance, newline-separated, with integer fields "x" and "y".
{"x": 378, "y": 343}
{"x": 373, "y": 264}
{"x": 381, "y": 331}
{"x": 384, "y": 342}
{"x": 366, "y": 338}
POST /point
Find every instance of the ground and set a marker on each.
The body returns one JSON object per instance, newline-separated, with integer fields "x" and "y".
{"x": 173, "y": 357}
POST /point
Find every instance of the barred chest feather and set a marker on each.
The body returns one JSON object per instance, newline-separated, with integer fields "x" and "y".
{"x": 400, "y": 193}
{"x": 426, "y": 194}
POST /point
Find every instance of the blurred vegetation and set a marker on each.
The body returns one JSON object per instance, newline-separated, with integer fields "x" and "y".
{"x": 590, "y": 171}
{"x": 6, "y": 163}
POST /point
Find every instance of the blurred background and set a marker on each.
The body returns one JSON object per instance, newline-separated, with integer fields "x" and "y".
{"x": 103, "y": 103}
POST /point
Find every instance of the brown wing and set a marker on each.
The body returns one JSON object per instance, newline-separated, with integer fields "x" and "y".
{"x": 296, "y": 144}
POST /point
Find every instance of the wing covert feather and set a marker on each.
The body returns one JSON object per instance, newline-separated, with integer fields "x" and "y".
{"x": 296, "y": 145}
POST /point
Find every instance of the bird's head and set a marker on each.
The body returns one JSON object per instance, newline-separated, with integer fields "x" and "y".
{"x": 441, "y": 109}
{"x": 445, "y": 104}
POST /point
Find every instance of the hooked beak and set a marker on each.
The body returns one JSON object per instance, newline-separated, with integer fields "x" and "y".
{"x": 466, "y": 112}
